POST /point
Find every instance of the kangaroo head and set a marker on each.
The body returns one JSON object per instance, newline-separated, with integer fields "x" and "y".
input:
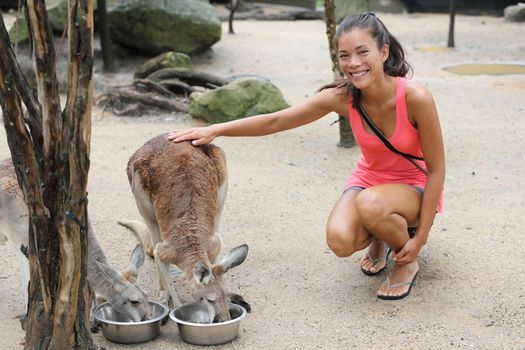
{"x": 207, "y": 284}
{"x": 127, "y": 297}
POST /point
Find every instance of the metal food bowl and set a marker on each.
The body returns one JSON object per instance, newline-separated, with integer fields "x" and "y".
{"x": 119, "y": 330}
{"x": 194, "y": 327}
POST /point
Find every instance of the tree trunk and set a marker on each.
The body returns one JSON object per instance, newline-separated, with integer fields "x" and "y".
{"x": 346, "y": 137}
{"x": 452, "y": 12}
{"x": 50, "y": 152}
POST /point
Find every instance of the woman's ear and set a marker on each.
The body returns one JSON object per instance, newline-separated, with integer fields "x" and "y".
{"x": 385, "y": 52}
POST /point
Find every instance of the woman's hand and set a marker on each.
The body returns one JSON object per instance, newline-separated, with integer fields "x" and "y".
{"x": 197, "y": 136}
{"x": 408, "y": 253}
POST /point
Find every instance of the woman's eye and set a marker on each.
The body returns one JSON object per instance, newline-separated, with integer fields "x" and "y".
{"x": 134, "y": 302}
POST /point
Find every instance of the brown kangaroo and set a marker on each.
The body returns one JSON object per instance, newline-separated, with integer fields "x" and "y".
{"x": 180, "y": 191}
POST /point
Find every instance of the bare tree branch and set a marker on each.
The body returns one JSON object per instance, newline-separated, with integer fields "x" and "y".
{"x": 27, "y": 95}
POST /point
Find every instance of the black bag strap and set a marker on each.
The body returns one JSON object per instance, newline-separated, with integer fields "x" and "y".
{"x": 387, "y": 143}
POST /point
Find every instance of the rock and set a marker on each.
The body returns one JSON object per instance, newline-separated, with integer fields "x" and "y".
{"x": 169, "y": 59}
{"x": 387, "y": 6}
{"x": 345, "y": 8}
{"x": 18, "y": 31}
{"x": 238, "y": 99}
{"x": 25, "y": 62}
{"x": 157, "y": 26}
{"x": 57, "y": 16}
{"x": 515, "y": 13}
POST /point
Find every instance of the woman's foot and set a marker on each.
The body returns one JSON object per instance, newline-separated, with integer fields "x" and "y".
{"x": 399, "y": 282}
{"x": 374, "y": 259}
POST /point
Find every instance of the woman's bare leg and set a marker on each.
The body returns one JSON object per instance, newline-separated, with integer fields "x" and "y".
{"x": 345, "y": 234}
{"x": 386, "y": 211}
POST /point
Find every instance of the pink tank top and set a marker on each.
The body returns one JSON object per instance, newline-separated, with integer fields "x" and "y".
{"x": 379, "y": 165}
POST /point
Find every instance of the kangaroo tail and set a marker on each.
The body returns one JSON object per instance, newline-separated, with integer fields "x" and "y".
{"x": 140, "y": 232}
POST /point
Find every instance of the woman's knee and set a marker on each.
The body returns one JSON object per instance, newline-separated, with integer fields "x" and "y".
{"x": 370, "y": 208}
{"x": 340, "y": 240}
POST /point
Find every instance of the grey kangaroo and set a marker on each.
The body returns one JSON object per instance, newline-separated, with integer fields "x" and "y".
{"x": 119, "y": 289}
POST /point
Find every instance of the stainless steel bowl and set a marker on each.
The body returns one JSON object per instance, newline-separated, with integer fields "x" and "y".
{"x": 116, "y": 329}
{"x": 206, "y": 333}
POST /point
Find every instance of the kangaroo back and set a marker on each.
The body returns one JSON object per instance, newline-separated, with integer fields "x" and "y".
{"x": 183, "y": 184}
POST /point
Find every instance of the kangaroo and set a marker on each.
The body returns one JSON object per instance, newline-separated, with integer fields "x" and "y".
{"x": 180, "y": 191}
{"x": 119, "y": 289}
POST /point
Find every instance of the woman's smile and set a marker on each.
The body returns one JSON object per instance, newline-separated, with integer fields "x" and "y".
{"x": 359, "y": 74}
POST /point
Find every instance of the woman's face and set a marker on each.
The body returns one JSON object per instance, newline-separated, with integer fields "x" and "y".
{"x": 359, "y": 57}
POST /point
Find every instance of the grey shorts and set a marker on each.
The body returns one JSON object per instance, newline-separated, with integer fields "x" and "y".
{"x": 360, "y": 188}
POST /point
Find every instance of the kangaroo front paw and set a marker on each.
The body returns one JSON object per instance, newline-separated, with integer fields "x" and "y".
{"x": 95, "y": 326}
{"x": 239, "y": 300}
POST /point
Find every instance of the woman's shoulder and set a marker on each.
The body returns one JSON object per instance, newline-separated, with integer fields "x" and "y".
{"x": 335, "y": 92}
{"x": 335, "y": 99}
{"x": 420, "y": 104}
{"x": 417, "y": 94}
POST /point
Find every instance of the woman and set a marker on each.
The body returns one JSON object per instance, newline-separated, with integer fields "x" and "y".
{"x": 389, "y": 202}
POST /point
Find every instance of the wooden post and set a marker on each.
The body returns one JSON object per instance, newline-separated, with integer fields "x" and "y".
{"x": 234, "y": 5}
{"x": 105, "y": 40}
{"x": 452, "y": 12}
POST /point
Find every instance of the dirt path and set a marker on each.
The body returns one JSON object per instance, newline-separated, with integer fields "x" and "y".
{"x": 470, "y": 287}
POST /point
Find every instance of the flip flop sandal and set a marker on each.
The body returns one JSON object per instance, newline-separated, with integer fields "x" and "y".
{"x": 375, "y": 261}
{"x": 401, "y": 296}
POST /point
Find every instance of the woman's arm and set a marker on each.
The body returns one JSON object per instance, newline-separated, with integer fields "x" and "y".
{"x": 310, "y": 110}
{"x": 422, "y": 109}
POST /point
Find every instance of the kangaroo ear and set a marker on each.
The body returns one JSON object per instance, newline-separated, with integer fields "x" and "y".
{"x": 201, "y": 273}
{"x": 235, "y": 257}
{"x": 136, "y": 261}
{"x": 109, "y": 274}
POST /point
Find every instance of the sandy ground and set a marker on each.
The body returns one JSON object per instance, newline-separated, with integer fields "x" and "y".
{"x": 469, "y": 292}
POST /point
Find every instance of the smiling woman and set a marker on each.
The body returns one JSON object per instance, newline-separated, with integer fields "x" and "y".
{"x": 390, "y": 200}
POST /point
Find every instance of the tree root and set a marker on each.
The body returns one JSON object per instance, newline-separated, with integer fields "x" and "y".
{"x": 140, "y": 98}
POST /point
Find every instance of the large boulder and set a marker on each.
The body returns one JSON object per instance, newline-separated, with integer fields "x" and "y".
{"x": 345, "y": 8}
{"x": 515, "y": 13}
{"x": 57, "y": 16}
{"x": 156, "y": 26}
{"x": 388, "y": 6}
{"x": 238, "y": 99}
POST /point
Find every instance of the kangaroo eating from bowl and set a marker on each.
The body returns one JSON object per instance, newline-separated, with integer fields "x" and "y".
{"x": 180, "y": 191}
{"x": 119, "y": 289}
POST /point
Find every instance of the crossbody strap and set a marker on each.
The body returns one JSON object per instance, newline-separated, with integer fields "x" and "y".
{"x": 387, "y": 143}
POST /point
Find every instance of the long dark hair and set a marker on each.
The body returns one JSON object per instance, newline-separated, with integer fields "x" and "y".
{"x": 395, "y": 65}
